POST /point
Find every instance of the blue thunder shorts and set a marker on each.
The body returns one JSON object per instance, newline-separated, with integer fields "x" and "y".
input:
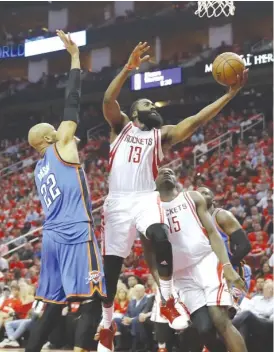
{"x": 70, "y": 272}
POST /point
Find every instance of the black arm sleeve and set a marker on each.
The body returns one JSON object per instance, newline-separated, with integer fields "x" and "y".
{"x": 73, "y": 95}
{"x": 241, "y": 245}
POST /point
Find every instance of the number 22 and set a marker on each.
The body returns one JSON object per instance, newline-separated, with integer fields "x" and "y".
{"x": 135, "y": 154}
{"x": 49, "y": 190}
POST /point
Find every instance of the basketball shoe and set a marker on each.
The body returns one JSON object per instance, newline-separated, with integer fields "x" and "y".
{"x": 176, "y": 314}
{"x": 106, "y": 339}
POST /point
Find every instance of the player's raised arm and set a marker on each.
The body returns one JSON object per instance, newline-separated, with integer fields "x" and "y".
{"x": 215, "y": 239}
{"x": 111, "y": 108}
{"x": 238, "y": 239}
{"x": 175, "y": 134}
{"x": 67, "y": 128}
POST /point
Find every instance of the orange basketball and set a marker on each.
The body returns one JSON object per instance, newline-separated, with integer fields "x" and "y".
{"x": 226, "y": 67}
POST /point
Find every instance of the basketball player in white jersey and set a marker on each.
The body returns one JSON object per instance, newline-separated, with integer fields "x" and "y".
{"x": 201, "y": 266}
{"x": 136, "y": 150}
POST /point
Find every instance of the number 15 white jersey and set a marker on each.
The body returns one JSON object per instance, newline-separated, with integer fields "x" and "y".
{"x": 190, "y": 243}
{"x": 134, "y": 159}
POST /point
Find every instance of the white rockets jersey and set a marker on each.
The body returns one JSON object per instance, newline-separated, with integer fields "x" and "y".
{"x": 134, "y": 159}
{"x": 188, "y": 237}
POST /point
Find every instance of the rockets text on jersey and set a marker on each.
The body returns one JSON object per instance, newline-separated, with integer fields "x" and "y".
{"x": 134, "y": 159}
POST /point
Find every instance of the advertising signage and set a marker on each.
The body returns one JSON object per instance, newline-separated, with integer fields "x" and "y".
{"x": 249, "y": 60}
{"x": 9, "y": 51}
{"x": 156, "y": 79}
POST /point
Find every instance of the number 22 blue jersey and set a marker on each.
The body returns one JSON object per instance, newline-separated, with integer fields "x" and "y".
{"x": 65, "y": 198}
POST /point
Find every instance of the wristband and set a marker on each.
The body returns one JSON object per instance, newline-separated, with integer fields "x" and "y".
{"x": 226, "y": 264}
{"x": 128, "y": 67}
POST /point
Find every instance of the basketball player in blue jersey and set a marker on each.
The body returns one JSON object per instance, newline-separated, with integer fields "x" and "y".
{"x": 71, "y": 267}
{"x": 234, "y": 237}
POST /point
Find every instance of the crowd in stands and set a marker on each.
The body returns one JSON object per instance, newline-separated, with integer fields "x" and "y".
{"x": 240, "y": 176}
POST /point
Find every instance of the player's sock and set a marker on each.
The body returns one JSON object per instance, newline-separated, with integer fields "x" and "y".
{"x": 107, "y": 316}
{"x": 161, "y": 345}
{"x": 165, "y": 288}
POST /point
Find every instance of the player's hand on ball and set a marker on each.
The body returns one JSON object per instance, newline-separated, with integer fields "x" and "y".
{"x": 233, "y": 278}
{"x": 136, "y": 59}
{"x": 241, "y": 81}
{"x": 71, "y": 47}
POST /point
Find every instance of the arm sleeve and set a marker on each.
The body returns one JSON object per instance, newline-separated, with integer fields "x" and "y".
{"x": 73, "y": 95}
{"x": 240, "y": 242}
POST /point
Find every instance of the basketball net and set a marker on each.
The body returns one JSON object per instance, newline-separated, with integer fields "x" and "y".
{"x": 215, "y": 8}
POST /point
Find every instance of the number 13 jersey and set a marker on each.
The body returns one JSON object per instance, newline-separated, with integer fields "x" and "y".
{"x": 134, "y": 159}
{"x": 65, "y": 198}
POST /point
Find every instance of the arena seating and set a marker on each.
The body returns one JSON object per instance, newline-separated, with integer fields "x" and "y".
{"x": 241, "y": 178}
{"x": 238, "y": 170}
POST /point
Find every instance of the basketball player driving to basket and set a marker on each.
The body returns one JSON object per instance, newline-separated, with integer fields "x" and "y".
{"x": 137, "y": 143}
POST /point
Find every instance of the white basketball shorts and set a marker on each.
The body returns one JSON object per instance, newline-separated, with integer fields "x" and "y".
{"x": 203, "y": 284}
{"x": 123, "y": 214}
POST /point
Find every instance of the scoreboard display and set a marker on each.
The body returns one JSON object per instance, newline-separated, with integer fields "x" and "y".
{"x": 156, "y": 79}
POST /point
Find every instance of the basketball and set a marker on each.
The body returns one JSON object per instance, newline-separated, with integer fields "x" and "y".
{"x": 226, "y": 67}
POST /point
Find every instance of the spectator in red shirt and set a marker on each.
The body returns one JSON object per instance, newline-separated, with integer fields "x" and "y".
{"x": 121, "y": 301}
{"x": 32, "y": 276}
{"x": 11, "y": 305}
{"x": 15, "y": 262}
{"x": 267, "y": 272}
{"x": 249, "y": 190}
{"x": 259, "y": 246}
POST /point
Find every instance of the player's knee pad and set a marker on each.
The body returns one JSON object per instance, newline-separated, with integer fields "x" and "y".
{"x": 158, "y": 235}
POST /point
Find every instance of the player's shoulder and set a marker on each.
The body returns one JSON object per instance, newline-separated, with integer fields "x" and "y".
{"x": 196, "y": 197}
{"x": 223, "y": 215}
{"x": 118, "y": 127}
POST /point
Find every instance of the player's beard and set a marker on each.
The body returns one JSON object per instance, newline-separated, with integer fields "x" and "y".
{"x": 151, "y": 119}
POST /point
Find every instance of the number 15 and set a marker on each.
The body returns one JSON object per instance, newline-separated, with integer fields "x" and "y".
{"x": 174, "y": 224}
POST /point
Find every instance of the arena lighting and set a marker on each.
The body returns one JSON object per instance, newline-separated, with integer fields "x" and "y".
{"x": 48, "y": 45}
{"x": 160, "y": 104}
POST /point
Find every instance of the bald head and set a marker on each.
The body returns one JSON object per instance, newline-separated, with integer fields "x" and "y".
{"x": 41, "y": 136}
{"x": 139, "y": 291}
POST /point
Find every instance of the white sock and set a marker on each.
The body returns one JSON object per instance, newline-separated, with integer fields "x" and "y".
{"x": 107, "y": 316}
{"x": 161, "y": 345}
{"x": 166, "y": 288}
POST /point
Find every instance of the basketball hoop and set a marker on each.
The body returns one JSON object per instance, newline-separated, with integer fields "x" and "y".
{"x": 215, "y": 8}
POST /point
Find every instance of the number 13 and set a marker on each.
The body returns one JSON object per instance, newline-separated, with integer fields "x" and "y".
{"x": 135, "y": 154}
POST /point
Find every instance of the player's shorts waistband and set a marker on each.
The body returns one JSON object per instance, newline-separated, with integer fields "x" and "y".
{"x": 129, "y": 194}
